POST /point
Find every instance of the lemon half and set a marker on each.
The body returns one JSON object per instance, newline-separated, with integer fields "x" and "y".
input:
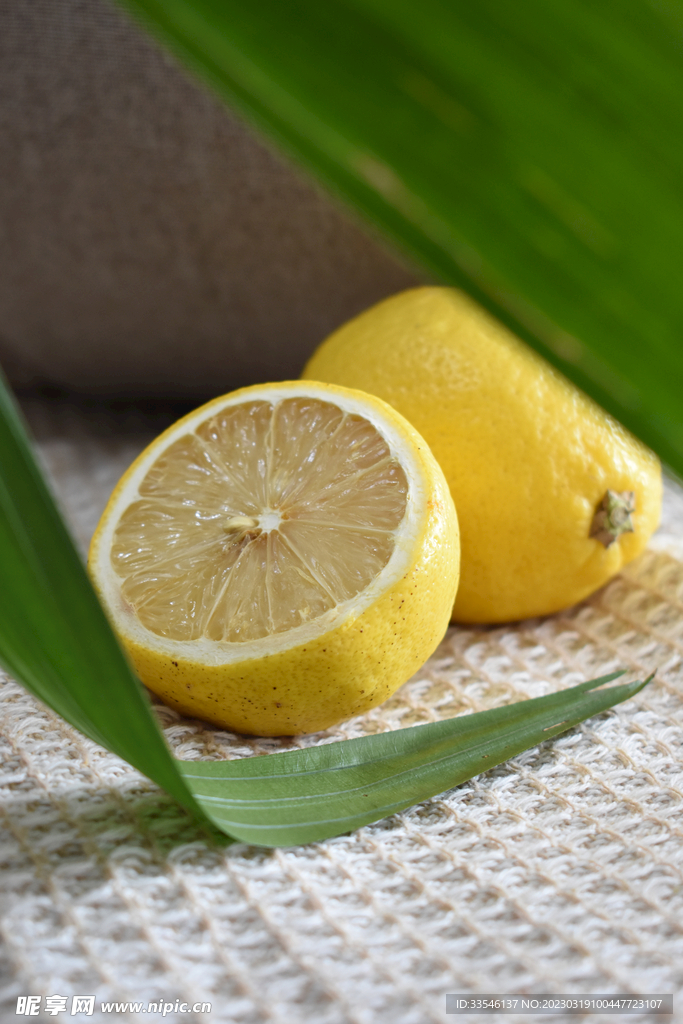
{"x": 281, "y": 559}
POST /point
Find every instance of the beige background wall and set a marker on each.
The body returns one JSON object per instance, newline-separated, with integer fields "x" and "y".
{"x": 149, "y": 244}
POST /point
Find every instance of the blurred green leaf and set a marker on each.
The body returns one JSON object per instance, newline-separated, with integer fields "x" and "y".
{"x": 531, "y": 154}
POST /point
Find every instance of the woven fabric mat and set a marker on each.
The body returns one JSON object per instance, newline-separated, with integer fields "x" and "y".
{"x": 559, "y": 871}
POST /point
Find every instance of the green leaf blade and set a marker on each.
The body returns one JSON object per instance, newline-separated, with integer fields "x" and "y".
{"x": 312, "y": 794}
{"x": 54, "y": 636}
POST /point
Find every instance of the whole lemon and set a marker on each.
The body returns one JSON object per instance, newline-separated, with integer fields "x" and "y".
{"x": 553, "y": 495}
{"x": 280, "y": 559}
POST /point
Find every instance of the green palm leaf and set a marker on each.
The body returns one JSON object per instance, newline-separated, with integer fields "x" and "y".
{"x": 307, "y": 795}
{"x": 54, "y": 636}
{"x": 55, "y": 639}
{"x": 531, "y": 154}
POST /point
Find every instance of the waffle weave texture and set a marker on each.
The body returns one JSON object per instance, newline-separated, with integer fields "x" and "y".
{"x": 559, "y": 871}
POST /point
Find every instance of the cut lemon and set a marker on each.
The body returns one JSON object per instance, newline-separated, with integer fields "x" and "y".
{"x": 281, "y": 559}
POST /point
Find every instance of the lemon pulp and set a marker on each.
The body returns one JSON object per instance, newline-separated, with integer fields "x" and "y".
{"x": 261, "y": 519}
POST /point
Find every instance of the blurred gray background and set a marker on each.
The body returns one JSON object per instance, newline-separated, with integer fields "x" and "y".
{"x": 150, "y": 244}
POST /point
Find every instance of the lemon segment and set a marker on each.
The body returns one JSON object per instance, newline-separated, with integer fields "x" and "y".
{"x": 530, "y": 460}
{"x": 281, "y": 559}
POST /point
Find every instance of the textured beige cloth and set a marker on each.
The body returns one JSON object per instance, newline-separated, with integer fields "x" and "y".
{"x": 560, "y": 871}
{"x": 148, "y": 243}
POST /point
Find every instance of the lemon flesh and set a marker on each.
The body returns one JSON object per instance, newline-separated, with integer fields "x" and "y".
{"x": 281, "y": 559}
{"x": 263, "y": 518}
{"x": 533, "y": 464}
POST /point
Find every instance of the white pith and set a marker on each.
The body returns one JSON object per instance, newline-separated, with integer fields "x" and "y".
{"x": 213, "y": 652}
{"x": 270, "y": 519}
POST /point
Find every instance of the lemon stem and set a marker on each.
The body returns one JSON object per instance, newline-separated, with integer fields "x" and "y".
{"x": 613, "y": 517}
